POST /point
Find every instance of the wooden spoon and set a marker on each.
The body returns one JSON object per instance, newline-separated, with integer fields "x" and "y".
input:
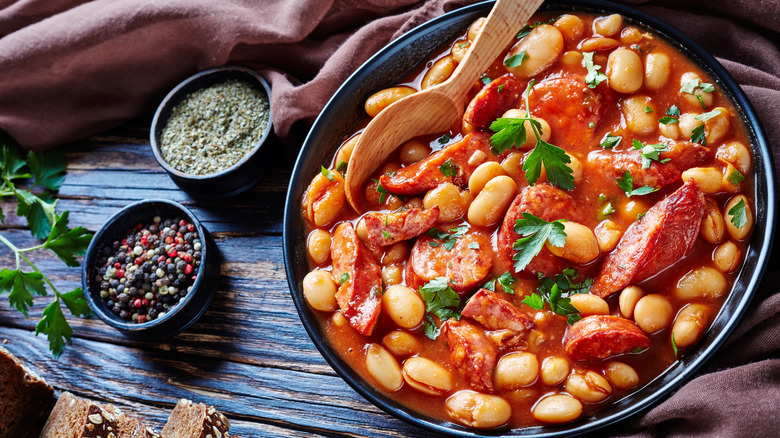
{"x": 434, "y": 109}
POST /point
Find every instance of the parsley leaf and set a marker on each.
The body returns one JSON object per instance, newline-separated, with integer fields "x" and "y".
{"x": 738, "y": 214}
{"x": 20, "y": 287}
{"x": 648, "y": 110}
{"x": 444, "y": 139}
{"x": 691, "y": 85}
{"x": 440, "y": 301}
{"x": 673, "y": 111}
{"x": 610, "y": 141}
{"x": 516, "y": 60}
{"x": 486, "y": 79}
{"x": 76, "y": 302}
{"x": 606, "y": 211}
{"x": 674, "y": 346}
{"x": 507, "y": 282}
{"x": 707, "y": 116}
{"x": 344, "y": 277}
{"x": 13, "y": 165}
{"x": 381, "y": 190}
{"x": 40, "y": 213}
{"x": 668, "y": 120}
{"x": 627, "y": 185}
{"x": 511, "y": 132}
{"x": 556, "y": 292}
{"x": 525, "y": 30}
{"x": 650, "y": 152}
{"x": 534, "y": 233}
{"x": 449, "y": 237}
{"x": 449, "y": 168}
{"x": 594, "y": 76}
{"x": 490, "y": 285}
{"x": 474, "y": 245}
{"x": 342, "y": 166}
{"x": 386, "y": 234}
{"x": 735, "y": 177}
{"x": 327, "y": 173}
{"x": 67, "y": 243}
{"x": 698, "y": 135}
{"x": 48, "y": 168}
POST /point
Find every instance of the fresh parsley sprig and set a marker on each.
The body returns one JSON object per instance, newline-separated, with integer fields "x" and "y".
{"x": 650, "y": 152}
{"x": 534, "y": 232}
{"x": 449, "y": 237}
{"x": 511, "y": 132}
{"x": 627, "y": 185}
{"x": 441, "y": 301}
{"x": 690, "y": 87}
{"x": 556, "y": 292}
{"x": 738, "y": 214}
{"x": 594, "y": 76}
{"x": 47, "y": 171}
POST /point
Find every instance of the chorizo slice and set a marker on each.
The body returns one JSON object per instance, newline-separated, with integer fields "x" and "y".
{"x": 388, "y": 228}
{"x": 427, "y": 173}
{"x": 598, "y": 337}
{"x": 569, "y": 106}
{"x": 655, "y": 242}
{"x": 360, "y": 294}
{"x": 546, "y": 202}
{"x": 472, "y": 352}
{"x": 493, "y": 100}
{"x": 496, "y": 313}
{"x": 681, "y": 156}
{"x": 467, "y": 264}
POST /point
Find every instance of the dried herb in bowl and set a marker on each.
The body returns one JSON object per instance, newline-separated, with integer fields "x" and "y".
{"x": 213, "y": 128}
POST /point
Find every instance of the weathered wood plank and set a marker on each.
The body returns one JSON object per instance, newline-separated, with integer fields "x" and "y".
{"x": 151, "y": 382}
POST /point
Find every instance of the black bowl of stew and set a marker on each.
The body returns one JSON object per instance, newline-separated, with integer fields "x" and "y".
{"x": 344, "y": 114}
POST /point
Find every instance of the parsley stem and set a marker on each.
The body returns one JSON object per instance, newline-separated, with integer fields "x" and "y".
{"x": 19, "y": 254}
{"x": 13, "y": 248}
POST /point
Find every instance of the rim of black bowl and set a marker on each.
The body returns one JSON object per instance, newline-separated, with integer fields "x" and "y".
{"x": 731, "y": 312}
{"x": 207, "y": 78}
{"x": 110, "y": 229}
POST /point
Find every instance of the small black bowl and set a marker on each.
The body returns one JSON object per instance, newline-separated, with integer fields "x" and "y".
{"x": 190, "y": 308}
{"x": 233, "y": 180}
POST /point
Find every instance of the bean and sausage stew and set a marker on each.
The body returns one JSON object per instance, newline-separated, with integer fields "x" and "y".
{"x": 557, "y": 250}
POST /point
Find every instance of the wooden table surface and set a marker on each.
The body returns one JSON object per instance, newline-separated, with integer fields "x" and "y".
{"x": 249, "y": 355}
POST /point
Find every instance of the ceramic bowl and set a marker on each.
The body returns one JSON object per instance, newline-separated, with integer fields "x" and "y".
{"x": 342, "y": 116}
{"x": 191, "y": 307}
{"x": 229, "y": 182}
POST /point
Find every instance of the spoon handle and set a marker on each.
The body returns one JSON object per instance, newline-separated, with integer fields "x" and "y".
{"x": 506, "y": 18}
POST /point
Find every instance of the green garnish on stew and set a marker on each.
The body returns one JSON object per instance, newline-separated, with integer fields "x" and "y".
{"x": 507, "y": 282}
{"x": 449, "y": 237}
{"x": 698, "y": 136}
{"x": 534, "y": 233}
{"x": 594, "y": 76}
{"x": 440, "y": 301}
{"x": 556, "y": 292}
{"x": 327, "y": 174}
{"x": 735, "y": 177}
{"x": 650, "y": 152}
{"x": 449, "y": 168}
{"x": 610, "y": 141}
{"x": 627, "y": 185}
{"x": 515, "y": 60}
{"x": 738, "y": 214}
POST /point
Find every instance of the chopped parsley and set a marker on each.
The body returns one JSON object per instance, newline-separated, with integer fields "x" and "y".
{"x": 344, "y": 277}
{"x": 444, "y": 139}
{"x": 674, "y": 346}
{"x": 486, "y": 79}
{"x": 381, "y": 190}
{"x": 515, "y": 60}
{"x": 606, "y": 211}
{"x": 708, "y": 115}
{"x": 650, "y": 152}
{"x": 534, "y": 233}
{"x": 698, "y": 135}
{"x": 672, "y": 116}
{"x": 474, "y": 245}
{"x": 690, "y": 87}
{"x": 342, "y": 166}
{"x": 648, "y": 110}
{"x": 673, "y": 111}
{"x": 449, "y": 168}
{"x": 511, "y": 132}
{"x": 529, "y": 27}
{"x": 610, "y": 141}
{"x": 735, "y": 177}
{"x": 386, "y": 234}
{"x": 449, "y": 237}
{"x": 507, "y": 282}
{"x": 327, "y": 174}
{"x": 556, "y": 292}
{"x": 440, "y": 301}
{"x": 738, "y": 214}
{"x": 500, "y": 88}
{"x": 627, "y": 185}
{"x": 594, "y": 76}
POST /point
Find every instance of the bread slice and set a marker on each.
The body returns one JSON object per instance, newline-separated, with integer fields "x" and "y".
{"x": 191, "y": 420}
{"x": 75, "y": 417}
{"x": 25, "y": 398}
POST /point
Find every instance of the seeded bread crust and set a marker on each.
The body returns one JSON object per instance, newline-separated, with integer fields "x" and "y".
{"x": 75, "y": 417}
{"x": 190, "y": 420}
{"x": 25, "y": 398}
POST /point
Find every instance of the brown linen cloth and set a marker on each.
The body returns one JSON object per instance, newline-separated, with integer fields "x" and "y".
{"x": 71, "y": 68}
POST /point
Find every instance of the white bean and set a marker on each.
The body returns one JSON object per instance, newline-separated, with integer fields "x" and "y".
{"x": 383, "y": 368}
{"x": 384, "y": 98}
{"x": 718, "y": 126}
{"x": 318, "y": 246}
{"x": 712, "y": 224}
{"x": 656, "y": 70}
{"x": 557, "y": 408}
{"x": 482, "y": 174}
{"x": 638, "y": 119}
{"x": 621, "y": 375}
{"x": 413, "y": 151}
{"x": 571, "y": 26}
{"x": 477, "y": 410}
{"x": 401, "y": 343}
{"x": 581, "y": 245}
{"x": 691, "y": 323}
{"x": 738, "y": 233}
{"x": 493, "y": 200}
{"x": 403, "y": 305}
{"x": 624, "y": 69}
{"x": 653, "y": 313}
{"x": 588, "y": 386}
{"x": 736, "y": 154}
{"x": 542, "y": 48}
{"x": 427, "y": 376}
{"x": 516, "y": 370}
{"x": 701, "y": 283}
{"x": 609, "y": 25}
{"x": 608, "y": 234}
{"x": 589, "y": 304}
{"x": 709, "y": 179}
{"x": 726, "y": 257}
{"x": 628, "y": 299}
{"x": 554, "y": 370}
{"x": 439, "y": 72}
{"x": 320, "y": 290}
